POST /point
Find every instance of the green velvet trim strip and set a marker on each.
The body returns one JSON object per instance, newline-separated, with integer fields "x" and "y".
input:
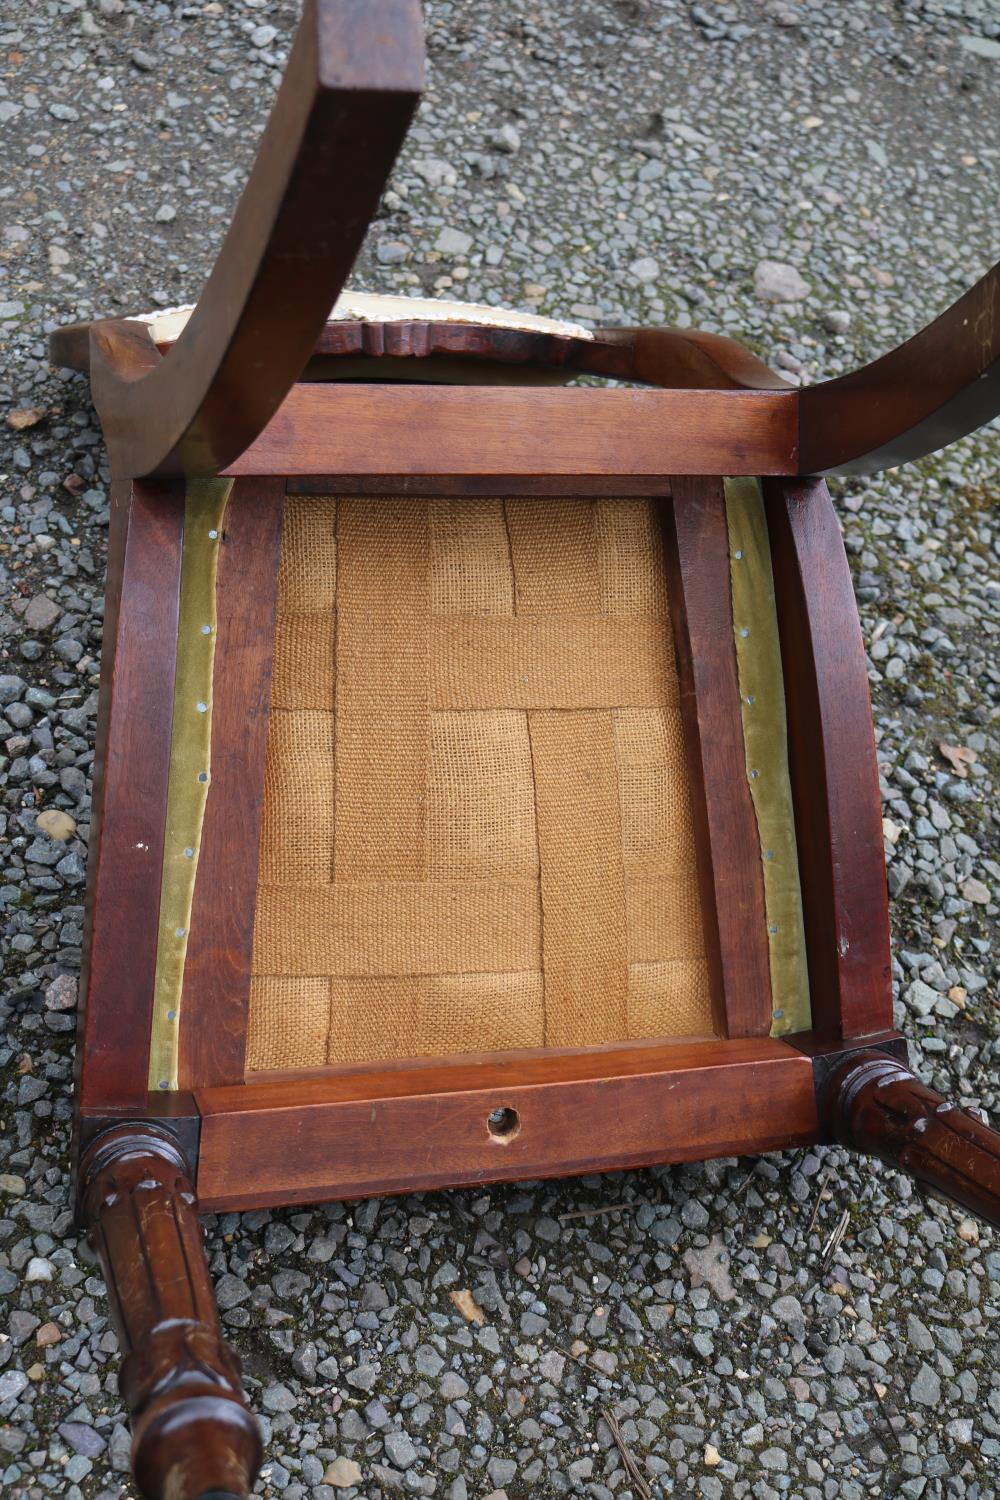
{"x": 190, "y": 764}
{"x": 765, "y": 736}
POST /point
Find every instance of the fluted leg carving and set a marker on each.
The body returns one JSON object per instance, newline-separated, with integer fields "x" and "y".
{"x": 193, "y": 1436}
{"x": 875, "y": 1104}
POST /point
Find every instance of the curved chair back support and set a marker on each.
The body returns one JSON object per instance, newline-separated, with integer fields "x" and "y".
{"x": 353, "y": 80}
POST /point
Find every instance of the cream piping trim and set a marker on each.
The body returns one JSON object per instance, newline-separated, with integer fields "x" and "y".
{"x": 765, "y": 737}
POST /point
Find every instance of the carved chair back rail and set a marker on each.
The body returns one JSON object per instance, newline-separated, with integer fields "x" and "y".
{"x": 485, "y": 787}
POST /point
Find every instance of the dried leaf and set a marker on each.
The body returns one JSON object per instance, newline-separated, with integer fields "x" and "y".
{"x": 26, "y": 416}
{"x": 468, "y": 1307}
{"x": 958, "y": 757}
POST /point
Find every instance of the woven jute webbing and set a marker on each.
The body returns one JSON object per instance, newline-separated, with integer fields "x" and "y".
{"x": 476, "y": 832}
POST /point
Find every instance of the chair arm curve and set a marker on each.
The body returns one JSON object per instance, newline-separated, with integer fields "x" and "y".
{"x": 352, "y": 83}
{"x": 938, "y": 386}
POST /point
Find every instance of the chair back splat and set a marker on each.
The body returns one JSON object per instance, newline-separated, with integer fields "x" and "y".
{"x": 477, "y": 766}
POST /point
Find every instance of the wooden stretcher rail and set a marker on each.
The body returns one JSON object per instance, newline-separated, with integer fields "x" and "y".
{"x": 311, "y": 1139}
{"x": 486, "y": 430}
{"x": 940, "y": 385}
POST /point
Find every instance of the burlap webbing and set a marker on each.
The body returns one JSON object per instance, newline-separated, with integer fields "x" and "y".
{"x": 549, "y": 661}
{"x": 289, "y": 1022}
{"x": 583, "y": 878}
{"x": 297, "y": 849}
{"x": 398, "y": 927}
{"x": 481, "y": 805}
{"x": 382, "y": 702}
{"x": 476, "y": 830}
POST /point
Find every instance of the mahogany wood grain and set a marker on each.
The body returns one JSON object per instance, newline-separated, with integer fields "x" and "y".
{"x": 351, "y": 85}
{"x": 398, "y": 1130}
{"x": 684, "y": 359}
{"x": 492, "y": 430}
{"x": 212, "y": 1041}
{"x": 833, "y": 765}
{"x": 875, "y": 1104}
{"x": 193, "y": 1434}
{"x": 941, "y": 384}
{"x": 730, "y": 876}
{"x": 579, "y": 485}
{"x": 132, "y": 765}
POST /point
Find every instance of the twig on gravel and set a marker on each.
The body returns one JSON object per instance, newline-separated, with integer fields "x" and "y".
{"x": 591, "y": 1213}
{"x": 631, "y": 1467}
{"x": 885, "y": 1413}
{"x": 834, "y": 1242}
{"x": 824, "y": 1179}
{"x": 751, "y": 1173}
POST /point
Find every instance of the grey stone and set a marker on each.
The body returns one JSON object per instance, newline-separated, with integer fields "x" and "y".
{"x": 428, "y": 1361}
{"x": 230, "y": 1291}
{"x": 41, "y": 612}
{"x": 362, "y": 1378}
{"x": 645, "y": 269}
{"x": 774, "y": 281}
{"x": 501, "y": 1471}
{"x": 12, "y": 1383}
{"x": 926, "y": 1386}
{"x": 278, "y": 1398}
{"x": 694, "y": 1215}
{"x": 836, "y": 320}
{"x": 82, "y": 1438}
{"x": 981, "y": 46}
{"x": 453, "y": 242}
{"x": 400, "y": 1450}
{"x": 508, "y": 140}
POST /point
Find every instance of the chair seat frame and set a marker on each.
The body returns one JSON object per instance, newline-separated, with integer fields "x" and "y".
{"x": 225, "y": 400}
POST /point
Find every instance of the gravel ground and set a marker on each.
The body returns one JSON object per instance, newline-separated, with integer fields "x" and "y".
{"x": 607, "y": 160}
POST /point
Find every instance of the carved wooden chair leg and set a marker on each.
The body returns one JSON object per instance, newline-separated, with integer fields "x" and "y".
{"x": 194, "y": 1437}
{"x": 875, "y": 1104}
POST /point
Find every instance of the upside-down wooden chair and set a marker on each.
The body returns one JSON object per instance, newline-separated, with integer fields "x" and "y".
{"x": 485, "y": 790}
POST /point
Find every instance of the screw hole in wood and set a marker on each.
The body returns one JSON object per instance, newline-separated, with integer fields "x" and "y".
{"x": 503, "y": 1124}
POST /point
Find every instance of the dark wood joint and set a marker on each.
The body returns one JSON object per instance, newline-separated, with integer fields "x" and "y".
{"x": 184, "y": 1130}
{"x": 875, "y": 1104}
{"x": 193, "y": 1434}
{"x": 829, "y": 1057}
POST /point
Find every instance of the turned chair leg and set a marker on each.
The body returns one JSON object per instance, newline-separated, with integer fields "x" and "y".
{"x": 194, "y": 1437}
{"x": 876, "y": 1105}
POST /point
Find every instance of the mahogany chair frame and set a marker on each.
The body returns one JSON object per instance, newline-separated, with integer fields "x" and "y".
{"x": 226, "y": 400}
